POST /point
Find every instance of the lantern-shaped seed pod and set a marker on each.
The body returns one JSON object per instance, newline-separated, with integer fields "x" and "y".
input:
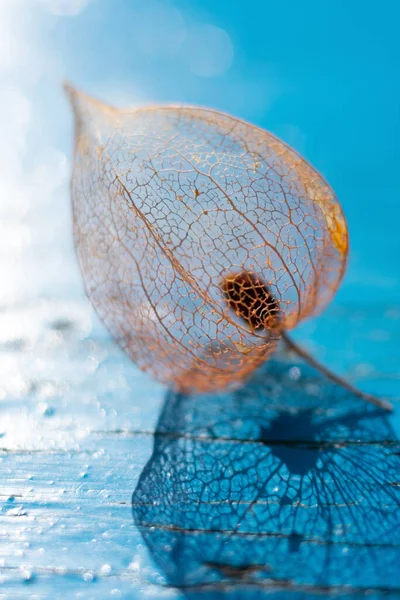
{"x": 201, "y": 238}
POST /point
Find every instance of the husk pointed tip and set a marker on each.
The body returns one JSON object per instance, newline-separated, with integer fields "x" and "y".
{"x": 69, "y": 88}
{"x": 82, "y": 103}
{"x": 75, "y": 97}
{"x": 70, "y": 91}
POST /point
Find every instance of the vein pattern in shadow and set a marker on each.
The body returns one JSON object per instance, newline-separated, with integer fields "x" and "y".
{"x": 286, "y": 485}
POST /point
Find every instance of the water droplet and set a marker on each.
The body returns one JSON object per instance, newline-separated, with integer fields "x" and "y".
{"x": 27, "y": 574}
{"x": 105, "y": 570}
{"x": 294, "y": 373}
{"x": 88, "y": 576}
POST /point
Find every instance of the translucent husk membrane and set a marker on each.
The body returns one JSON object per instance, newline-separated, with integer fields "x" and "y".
{"x": 171, "y": 205}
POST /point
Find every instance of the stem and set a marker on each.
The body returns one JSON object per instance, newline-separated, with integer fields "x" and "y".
{"x": 332, "y": 376}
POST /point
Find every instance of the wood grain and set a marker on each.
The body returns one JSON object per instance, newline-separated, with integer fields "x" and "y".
{"x": 112, "y": 486}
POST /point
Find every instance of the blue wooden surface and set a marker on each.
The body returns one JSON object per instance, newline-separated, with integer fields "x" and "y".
{"x": 111, "y": 486}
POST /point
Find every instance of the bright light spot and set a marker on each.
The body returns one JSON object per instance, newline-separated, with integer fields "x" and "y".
{"x": 208, "y": 51}
{"x": 158, "y": 29}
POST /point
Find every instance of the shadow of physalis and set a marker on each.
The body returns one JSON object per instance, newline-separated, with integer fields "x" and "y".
{"x": 289, "y": 484}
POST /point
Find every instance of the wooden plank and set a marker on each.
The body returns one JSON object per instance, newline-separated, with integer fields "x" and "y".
{"x": 112, "y": 487}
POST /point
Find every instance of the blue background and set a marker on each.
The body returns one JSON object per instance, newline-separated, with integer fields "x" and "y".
{"x": 324, "y": 76}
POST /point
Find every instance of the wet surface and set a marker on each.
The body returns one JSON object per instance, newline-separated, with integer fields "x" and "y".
{"x": 111, "y": 486}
